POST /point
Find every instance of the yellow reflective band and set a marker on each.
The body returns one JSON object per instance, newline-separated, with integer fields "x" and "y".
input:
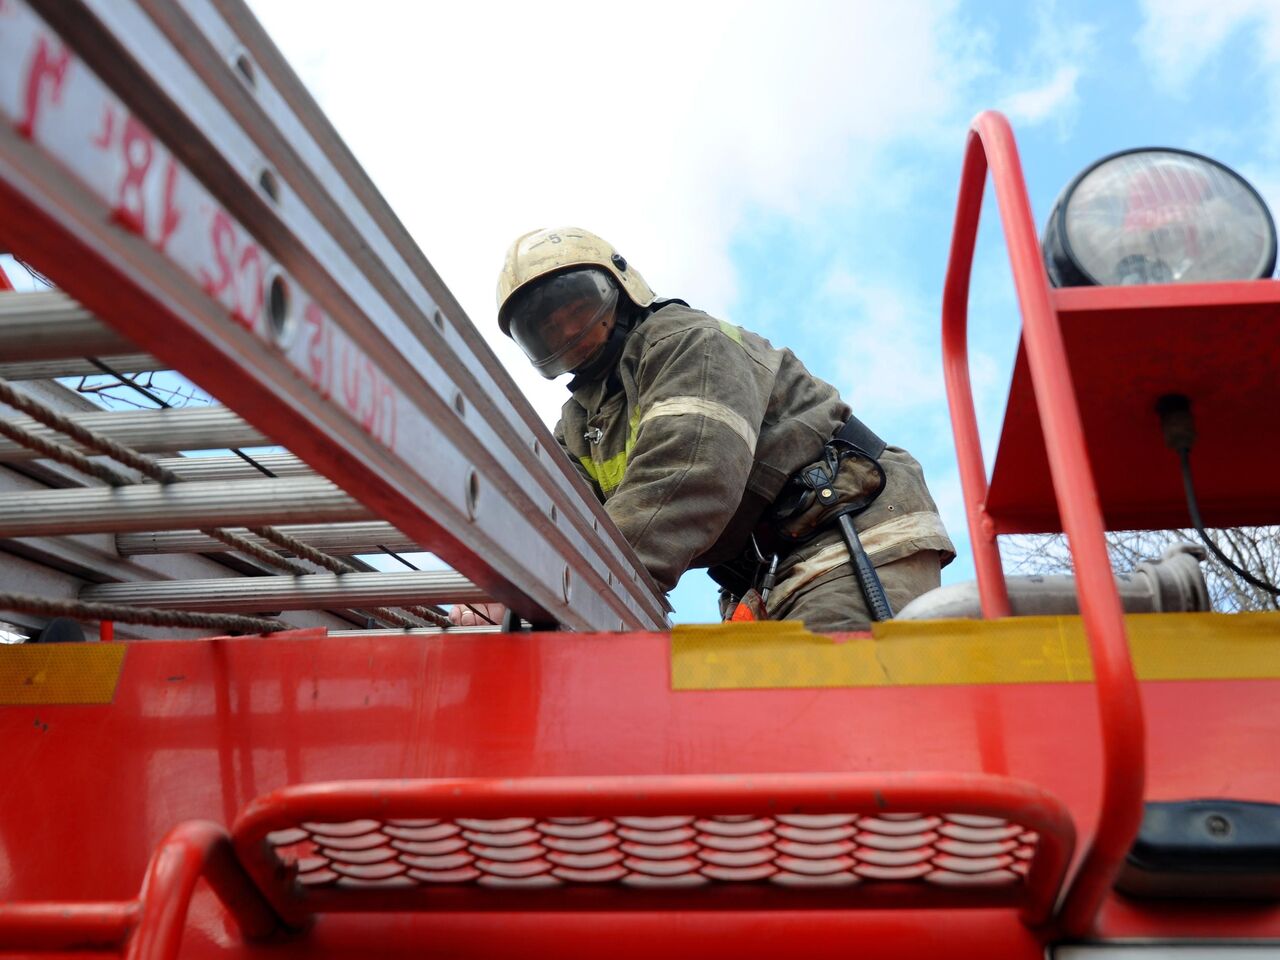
{"x": 875, "y": 540}
{"x": 730, "y": 331}
{"x": 48, "y": 673}
{"x": 774, "y": 655}
{"x": 702, "y": 407}
{"x": 608, "y": 474}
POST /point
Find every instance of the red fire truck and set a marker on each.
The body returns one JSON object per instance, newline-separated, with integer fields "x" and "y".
{"x": 1095, "y": 785}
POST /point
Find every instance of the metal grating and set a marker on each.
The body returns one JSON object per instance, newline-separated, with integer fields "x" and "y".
{"x": 827, "y": 850}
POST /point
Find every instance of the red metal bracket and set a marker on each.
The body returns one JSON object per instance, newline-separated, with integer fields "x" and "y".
{"x": 991, "y": 144}
{"x": 149, "y": 927}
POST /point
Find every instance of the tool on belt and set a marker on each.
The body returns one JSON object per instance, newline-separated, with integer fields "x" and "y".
{"x": 832, "y": 490}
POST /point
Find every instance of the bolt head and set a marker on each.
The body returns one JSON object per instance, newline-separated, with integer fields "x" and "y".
{"x": 1217, "y": 825}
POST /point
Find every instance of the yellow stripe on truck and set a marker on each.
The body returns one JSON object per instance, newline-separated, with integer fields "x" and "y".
{"x": 49, "y": 673}
{"x": 1165, "y": 646}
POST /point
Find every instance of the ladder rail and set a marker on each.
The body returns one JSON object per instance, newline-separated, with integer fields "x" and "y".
{"x": 424, "y": 425}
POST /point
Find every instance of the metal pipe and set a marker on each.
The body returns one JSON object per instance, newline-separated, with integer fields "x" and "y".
{"x": 1119, "y": 700}
{"x": 955, "y": 371}
{"x": 315, "y": 591}
{"x": 67, "y": 925}
{"x": 150, "y": 431}
{"x": 79, "y": 366}
{"x": 1174, "y": 583}
{"x": 251, "y": 503}
{"x": 414, "y": 632}
{"x": 344, "y": 539}
{"x": 51, "y": 326}
{"x": 191, "y": 851}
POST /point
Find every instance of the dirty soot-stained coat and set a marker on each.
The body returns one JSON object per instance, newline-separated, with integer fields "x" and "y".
{"x": 697, "y": 431}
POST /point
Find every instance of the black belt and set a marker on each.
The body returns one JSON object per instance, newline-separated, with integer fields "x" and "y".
{"x": 860, "y": 435}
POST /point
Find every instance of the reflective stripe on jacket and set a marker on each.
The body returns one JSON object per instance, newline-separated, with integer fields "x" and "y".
{"x": 695, "y": 435}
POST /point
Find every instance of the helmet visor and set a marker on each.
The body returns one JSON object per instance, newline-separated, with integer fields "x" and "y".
{"x": 561, "y": 322}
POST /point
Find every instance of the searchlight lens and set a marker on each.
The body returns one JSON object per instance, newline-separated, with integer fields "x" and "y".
{"x": 1158, "y": 216}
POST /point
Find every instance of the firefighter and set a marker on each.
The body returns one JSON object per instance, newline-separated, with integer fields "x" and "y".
{"x": 689, "y": 430}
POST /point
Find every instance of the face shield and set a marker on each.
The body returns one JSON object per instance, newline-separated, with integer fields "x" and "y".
{"x": 562, "y": 321}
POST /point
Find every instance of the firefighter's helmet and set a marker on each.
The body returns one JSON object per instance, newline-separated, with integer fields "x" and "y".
{"x": 558, "y": 293}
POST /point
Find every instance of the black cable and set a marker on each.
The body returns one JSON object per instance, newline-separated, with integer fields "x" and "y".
{"x": 430, "y": 606}
{"x": 165, "y": 405}
{"x": 1179, "y": 428}
{"x": 1193, "y": 508}
{"x": 33, "y": 272}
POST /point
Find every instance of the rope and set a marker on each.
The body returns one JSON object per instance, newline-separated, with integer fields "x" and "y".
{"x": 149, "y": 467}
{"x": 303, "y": 550}
{"x": 335, "y": 565}
{"x": 62, "y": 453}
{"x": 431, "y": 614}
{"x": 148, "y": 616}
{"x": 245, "y": 545}
{"x": 84, "y": 436}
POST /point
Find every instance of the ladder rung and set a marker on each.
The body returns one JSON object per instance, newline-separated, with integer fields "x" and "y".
{"x": 340, "y": 538}
{"x": 51, "y": 326}
{"x": 312, "y": 592}
{"x": 236, "y": 468}
{"x": 414, "y": 631}
{"x": 248, "y": 503}
{"x": 148, "y": 431}
{"x": 79, "y": 367}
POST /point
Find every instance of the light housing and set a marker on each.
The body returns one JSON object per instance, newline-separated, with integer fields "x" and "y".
{"x": 1158, "y": 215}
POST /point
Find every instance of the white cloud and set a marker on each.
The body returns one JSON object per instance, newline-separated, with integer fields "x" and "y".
{"x": 891, "y": 374}
{"x": 891, "y": 362}
{"x": 1048, "y": 100}
{"x": 1178, "y": 37}
{"x": 664, "y": 131}
{"x": 1043, "y": 86}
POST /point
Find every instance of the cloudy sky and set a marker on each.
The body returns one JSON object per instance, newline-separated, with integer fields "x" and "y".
{"x": 791, "y": 167}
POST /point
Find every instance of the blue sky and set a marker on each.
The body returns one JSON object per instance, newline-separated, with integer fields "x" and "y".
{"x": 791, "y": 167}
{"x": 865, "y": 274}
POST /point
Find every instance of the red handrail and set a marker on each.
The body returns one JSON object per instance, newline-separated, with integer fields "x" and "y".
{"x": 991, "y": 143}
{"x": 648, "y": 796}
{"x": 192, "y": 850}
{"x": 150, "y": 927}
{"x": 66, "y": 926}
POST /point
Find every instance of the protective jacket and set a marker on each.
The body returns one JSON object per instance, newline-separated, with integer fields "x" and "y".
{"x": 694, "y": 433}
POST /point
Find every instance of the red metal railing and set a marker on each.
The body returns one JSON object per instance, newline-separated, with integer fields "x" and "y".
{"x": 149, "y": 927}
{"x": 991, "y": 145}
{"x": 279, "y": 818}
{"x": 258, "y": 889}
